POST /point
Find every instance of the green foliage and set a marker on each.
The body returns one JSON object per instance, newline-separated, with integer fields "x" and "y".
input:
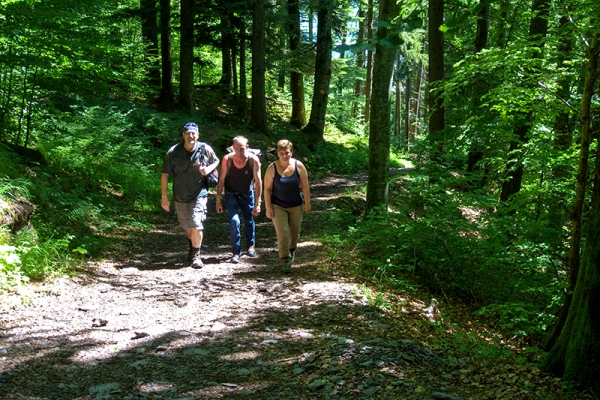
{"x": 518, "y": 319}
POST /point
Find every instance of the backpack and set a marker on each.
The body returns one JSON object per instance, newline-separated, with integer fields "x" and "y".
{"x": 211, "y": 179}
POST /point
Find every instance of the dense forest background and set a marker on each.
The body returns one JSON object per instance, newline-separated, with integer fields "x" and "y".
{"x": 476, "y": 122}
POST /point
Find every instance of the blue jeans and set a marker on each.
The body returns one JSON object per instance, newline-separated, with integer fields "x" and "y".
{"x": 236, "y": 203}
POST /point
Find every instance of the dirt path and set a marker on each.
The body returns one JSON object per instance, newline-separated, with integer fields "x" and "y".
{"x": 143, "y": 325}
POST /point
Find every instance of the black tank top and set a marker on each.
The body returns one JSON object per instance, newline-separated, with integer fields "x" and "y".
{"x": 239, "y": 180}
{"x": 286, "y": 189}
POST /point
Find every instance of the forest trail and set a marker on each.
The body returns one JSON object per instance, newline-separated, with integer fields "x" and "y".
{"x": 141, "y": 324}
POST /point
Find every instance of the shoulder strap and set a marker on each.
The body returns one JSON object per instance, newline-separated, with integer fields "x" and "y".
{"x": 230, "y": 160}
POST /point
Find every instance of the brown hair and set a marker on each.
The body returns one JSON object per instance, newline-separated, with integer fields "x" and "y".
{"x": 284, "y": 144}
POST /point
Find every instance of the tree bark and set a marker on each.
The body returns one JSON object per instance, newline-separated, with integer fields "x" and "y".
{"x": 436, "y": 73}
{"x": 360, "y": 60}
{"x": 577, "y": 351}
{"x": 416, "y": 105}
{"x": 242, "y": 98}
{"x": 186, "y": 57}
{"x": 148, "y": 15}
{"x": 166, "y": 92}
{"x": 227, "y": 42}
{"x": 258, "y": 112}
{"x": 316, "y": 124}
{"x": 379, "y": 137}
{"x": 369, "y": 71}
{"x": 298, "y": 117}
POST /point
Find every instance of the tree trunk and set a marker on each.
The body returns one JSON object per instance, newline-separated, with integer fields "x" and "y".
{"x": 166, "y": 92}
{"x": 298, "y": 117}
{"x": 577, "y": 351}
{"x": 186, "y": 57}
{"x": 568, "y": 307}
{"x": 242, "y": 99}
{"x": 316, "y": 124}
{"x": 258, "y": 112}
{"x": 379, "y": 137}
{"x": 416, "y": 105}
{"x": 407, "y": 100}
{"x": 225, "y": 26}
{"x": 148, "y": 14}
{"x": 436, "y": 73}
{"x": 360, "y": 61}
{"x": 369, "y": 72}
{"x": 398, "y": 109}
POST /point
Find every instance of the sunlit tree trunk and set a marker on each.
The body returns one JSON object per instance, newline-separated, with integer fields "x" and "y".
{"x": 186, "y": 57}
{"x": 258, "y": 112}
{"x": 298, "y": 117}
{"x": 398, "y": 109}
{"x": 414, "y": 128}
{"x": 360, "y": 62}
{"x": 369, "y": 72}
{"x": 166, "y": 92}
{"x": 379, "y": 137}
{"x": 407, "y": 100}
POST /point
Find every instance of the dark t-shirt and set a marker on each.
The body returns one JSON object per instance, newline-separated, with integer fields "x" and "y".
{"x": 188, "y": 182}
{"x": 239, "y": 180}
{"x": 286, "y": 189}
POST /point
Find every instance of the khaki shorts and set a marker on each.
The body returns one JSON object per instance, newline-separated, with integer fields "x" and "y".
{"x": 192, "y": 215}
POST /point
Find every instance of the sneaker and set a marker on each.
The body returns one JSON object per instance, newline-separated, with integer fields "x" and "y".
{"x": 235, "y": 259}
{"x": 197, "y": 260}
{"x": 287, "y": 264}
{"x": 251, "y": 252}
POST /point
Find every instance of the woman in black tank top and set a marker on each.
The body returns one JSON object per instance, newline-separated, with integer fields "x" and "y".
{"x": 287, "y": 196}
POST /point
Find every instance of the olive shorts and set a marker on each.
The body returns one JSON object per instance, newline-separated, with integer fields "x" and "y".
{"x": 192, "y": 215}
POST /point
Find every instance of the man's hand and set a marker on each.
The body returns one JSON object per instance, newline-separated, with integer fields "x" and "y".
{"x": 165, "y": 204}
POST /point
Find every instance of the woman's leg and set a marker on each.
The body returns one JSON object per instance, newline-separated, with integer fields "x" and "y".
{"x": 282, "y": 228}
{"x": 295, "y": 221}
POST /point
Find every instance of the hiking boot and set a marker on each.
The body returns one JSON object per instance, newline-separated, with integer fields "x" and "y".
{"x": 197, "y": 260}
{"x": 251, "y": 252}
{"x": 235, "y": 259}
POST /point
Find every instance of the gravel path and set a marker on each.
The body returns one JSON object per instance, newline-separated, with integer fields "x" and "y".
{"x": 143, "y": 325}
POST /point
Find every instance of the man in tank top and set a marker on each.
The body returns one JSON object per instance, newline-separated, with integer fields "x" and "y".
{"x": 240, "y": 177}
